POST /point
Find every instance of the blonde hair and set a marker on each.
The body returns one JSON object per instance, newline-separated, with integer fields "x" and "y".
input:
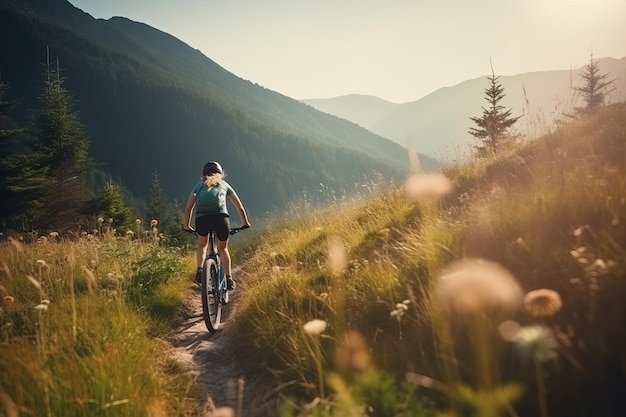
{"x": 213, "y": 179}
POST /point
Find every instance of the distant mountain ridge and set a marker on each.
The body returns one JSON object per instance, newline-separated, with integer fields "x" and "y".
{"x": 437, "y": 124}
{"x": 151, "y": 102}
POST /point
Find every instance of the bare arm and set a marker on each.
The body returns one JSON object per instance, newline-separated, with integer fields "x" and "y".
{"x": 191, "y": 201}
{"x": 234, "y": 199}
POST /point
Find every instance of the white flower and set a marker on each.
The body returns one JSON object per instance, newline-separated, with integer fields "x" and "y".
{"x": 475, "y": 285}
{"x": 536, "y": 342}
{"x": 41, "y": 307}
{"x": 315, "y": 327}
{"x": 427, "y": 186}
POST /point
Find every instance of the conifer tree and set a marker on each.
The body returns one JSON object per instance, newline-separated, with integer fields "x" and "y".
{"x": 8, "y": 168}
{"x": 594, "y": 90}
{"x": 110, "y": 204}
{"x": 495, "y": 122}
{"x": 20, "y": 184}
{"x": 156, "y": 201}
{"x": 59, "y": 145}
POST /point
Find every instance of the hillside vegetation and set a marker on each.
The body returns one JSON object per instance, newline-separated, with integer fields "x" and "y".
{"x": 505, "y": 295}
{"x": 494, "y": 290}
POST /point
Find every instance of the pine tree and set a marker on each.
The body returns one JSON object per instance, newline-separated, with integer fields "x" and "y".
{"x": 59, "y": 145}
{"x": 21, "y": 188}
{"x": 495, "y": 122}
{"x": 156, "y": 201}
{"x": 110, "y": 204}
{"x": 594, "y": 90}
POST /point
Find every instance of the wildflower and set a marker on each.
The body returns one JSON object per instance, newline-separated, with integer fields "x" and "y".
{"x": 110, "y": 221}
{"x": 53, "y": 235}
{"x": 315, "y": 327}
{"x": 41, "y": 307}
{"x": 130, "y": 233}
{"x": 41, "y": 263}
{"x": 542, "y": 303}
{"x": 400, "y": 309}
{"x": 8, "y": 299}
{"x": 154, "y": 223}
{"x": 427, "y": 186}
{"x": 536, "y": 342}
{"x": 100, "y": 220}
{"x": 46, "y": 302}
{"x": 137, "y": 222}
{"x": 42, "y": 239}
{"x": 353, "y": 356}
{"x": 475, "y": 285}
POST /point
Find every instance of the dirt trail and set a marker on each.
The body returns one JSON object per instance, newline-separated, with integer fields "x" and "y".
{"x": 220, "y": 376}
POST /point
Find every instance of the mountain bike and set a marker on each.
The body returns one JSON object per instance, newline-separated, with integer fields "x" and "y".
{"x": 213, "y": 284}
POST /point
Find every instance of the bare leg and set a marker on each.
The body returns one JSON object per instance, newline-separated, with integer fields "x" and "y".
{"x": 201, "y": 250}
{"x": 222, "y": 249}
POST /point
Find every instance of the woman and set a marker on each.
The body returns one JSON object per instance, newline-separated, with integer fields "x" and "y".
{"x": 209, "y": 198}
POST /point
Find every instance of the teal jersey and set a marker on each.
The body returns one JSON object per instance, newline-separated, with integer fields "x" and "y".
{"x": 211, "y": 200}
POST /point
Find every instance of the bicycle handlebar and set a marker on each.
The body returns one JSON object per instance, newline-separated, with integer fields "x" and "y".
{"x": 232, "y": 231}
{"x": 238, "y": 229}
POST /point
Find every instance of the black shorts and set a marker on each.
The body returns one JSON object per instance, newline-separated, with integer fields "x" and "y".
{"x": 218, "y": 222}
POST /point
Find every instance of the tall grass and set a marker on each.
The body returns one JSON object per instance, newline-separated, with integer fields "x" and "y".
{"x": 78, "y": 321}
{"x": 547, "y": 217}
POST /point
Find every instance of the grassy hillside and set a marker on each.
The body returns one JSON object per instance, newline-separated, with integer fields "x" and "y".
{"x": 494, "y": 290}
{"x": 506, "y": 294}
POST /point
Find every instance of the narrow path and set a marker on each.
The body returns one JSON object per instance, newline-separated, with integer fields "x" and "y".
{"x": 220, "y": 376}
{"x": 207, "y": 356}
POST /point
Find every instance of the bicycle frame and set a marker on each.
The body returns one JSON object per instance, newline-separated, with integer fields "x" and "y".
{"x": 214, "y": 289}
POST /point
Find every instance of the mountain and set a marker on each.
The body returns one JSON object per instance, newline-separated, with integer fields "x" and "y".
{"x": 363, "y": 110}
{"x": 151, "y": 102}
{"x": 437, "y": 124}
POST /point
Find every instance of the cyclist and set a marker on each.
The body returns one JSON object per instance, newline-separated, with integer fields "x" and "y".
{"x": 208, "y": 196}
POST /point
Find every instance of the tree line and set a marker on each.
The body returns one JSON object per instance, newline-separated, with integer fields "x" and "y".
{"x": 48, "y": 180}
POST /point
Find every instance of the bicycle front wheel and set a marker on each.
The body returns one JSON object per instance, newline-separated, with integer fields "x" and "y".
{"x": 211, "y": 305}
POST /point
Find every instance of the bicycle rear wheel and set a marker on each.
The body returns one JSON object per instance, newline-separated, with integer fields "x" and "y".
{"x": 211, "y": 305}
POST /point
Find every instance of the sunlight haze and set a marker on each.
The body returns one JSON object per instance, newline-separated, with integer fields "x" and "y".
{"x": 397, "y": 50}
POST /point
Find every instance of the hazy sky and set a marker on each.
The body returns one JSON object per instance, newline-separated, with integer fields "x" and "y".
{"x": 398, "y": 50}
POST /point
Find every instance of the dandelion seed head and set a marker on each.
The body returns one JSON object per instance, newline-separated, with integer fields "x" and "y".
{"x": 427, "y": 186}
{"x": 41, "y": 307}
{"x": 474, "y": 285}
{"x": 100, "y": 220}
{"x": 130, "y": 233}
{"x": 154, "y": 223}
{"x": 542, "y": 303}
{"x": 536, "y": 342}
{"x": 8, "y": 299}
{"x": 315, "y": 327}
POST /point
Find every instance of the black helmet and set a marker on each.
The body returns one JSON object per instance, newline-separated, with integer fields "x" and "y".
{"x": 212, "y": 168}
